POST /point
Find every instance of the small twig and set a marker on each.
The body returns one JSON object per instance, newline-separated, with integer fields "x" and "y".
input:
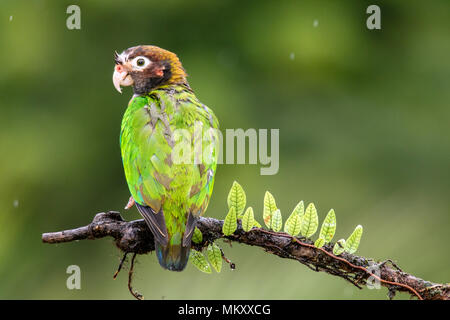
{"x": 120, "y": 265}
{"x": 232, "y": 265}
{"x": 135, "y": 294}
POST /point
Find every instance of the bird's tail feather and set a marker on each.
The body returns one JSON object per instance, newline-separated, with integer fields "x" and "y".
{"x": 172, "y": 257}
{"x": 172, "y": 251}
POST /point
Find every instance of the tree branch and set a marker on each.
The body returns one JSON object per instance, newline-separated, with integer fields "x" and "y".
{"x": 135, "y": 237}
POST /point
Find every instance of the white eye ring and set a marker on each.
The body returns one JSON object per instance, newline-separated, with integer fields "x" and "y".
{"x": 140, "y": 62}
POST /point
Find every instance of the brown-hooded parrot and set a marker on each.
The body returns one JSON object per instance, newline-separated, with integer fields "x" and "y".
{"x": 169, "y": 145}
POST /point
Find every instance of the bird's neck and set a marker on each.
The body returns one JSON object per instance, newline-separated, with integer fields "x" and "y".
{"x": 166, "y": 88}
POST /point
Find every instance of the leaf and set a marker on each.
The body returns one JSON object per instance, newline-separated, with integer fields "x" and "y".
{"x": 230, "y": 222}
{"x": 197, "y": 237}
{"x": 299, "y": 208}
{"x": 257, "y": 224}
{"x": 269, "y": 208}
{"x": 199, "y": 260}
{"x": 339, "y": 247}
{"x": 215, "y": 256}
{"x": 328, "y": 227}
{"x": 352, "y": 243}
{"x": 248, "y": 220}
{"x": 310, "y": 221}
{"x": 293, "y": 223}
{"x": 319, "y": 243}
{"x": 277, "y": 221}
{"x": 237, "y": 198}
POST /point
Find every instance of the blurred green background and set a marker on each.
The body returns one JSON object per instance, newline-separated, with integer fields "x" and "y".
{"x": 364, "y": 129}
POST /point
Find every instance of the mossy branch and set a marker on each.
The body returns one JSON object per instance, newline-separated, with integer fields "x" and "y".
{"x": 135, "y": 237}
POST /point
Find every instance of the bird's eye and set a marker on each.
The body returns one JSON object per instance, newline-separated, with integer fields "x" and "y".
{"x": 140, "y": 62}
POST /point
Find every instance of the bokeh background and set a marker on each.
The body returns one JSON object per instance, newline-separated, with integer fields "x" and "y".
{"x": 364, "y": 129}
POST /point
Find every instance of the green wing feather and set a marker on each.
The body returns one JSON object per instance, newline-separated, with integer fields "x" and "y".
{"x": 152, "y": 127}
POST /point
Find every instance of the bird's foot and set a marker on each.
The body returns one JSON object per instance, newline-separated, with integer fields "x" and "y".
{"x": 130, "y": 203}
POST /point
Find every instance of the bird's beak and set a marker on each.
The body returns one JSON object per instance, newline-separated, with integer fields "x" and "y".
{"x": 121, "y": 78}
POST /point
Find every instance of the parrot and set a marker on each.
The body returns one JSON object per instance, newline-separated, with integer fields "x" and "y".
{"x": 169, "y": 144}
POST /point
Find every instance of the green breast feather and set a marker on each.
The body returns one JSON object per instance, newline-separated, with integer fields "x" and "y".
{"x": 165, "y": 167}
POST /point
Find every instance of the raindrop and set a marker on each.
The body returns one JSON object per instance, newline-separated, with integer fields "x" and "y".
{"x": 16, "y": 203}
{"x": 316, "y": 23}
{"x": 10, "y": 18}
{"x": 292, "y": 56}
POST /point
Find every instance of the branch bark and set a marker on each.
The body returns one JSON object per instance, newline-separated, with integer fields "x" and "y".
{"x": 135, "y": 237}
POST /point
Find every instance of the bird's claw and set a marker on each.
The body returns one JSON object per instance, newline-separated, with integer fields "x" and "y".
{"x": 130, "y": 203}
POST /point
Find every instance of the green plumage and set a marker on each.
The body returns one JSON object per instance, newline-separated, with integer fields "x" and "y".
{"x": 158, "y": 131}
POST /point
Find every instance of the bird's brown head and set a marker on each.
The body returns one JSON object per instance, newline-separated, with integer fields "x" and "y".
{"x": 147, "y": 68}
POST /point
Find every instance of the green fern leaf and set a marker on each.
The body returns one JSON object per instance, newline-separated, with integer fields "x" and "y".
{"x": 299, "y": 208}
{"x": 237, "y": 198}
{"x": 230, "y": 222}
{"x": 215, "y": 256}
{"x": 248, "y": 220}
{"x": 352, "y": 243}
{"x": 198, "y": 259}
{"x": 319, "y": 243}
{"x": 277, "y": 221}
{"x": 257, "y": 224}
{"x": 339, "y": 247}
{"x": 328, "y": 227}
{"x": 269, "y": 208}
{"x": 310, "y": 221}
{"x": 197, "y": 237}
{"x": 293, "y": 223}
